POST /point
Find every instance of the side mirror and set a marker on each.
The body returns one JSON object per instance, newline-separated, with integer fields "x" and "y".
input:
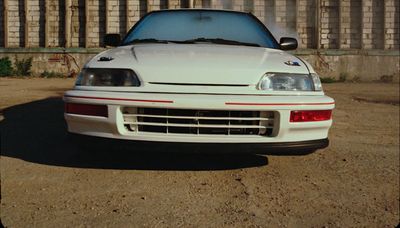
{"x": 288, "y": 43}
{"x": 112, "y": 40}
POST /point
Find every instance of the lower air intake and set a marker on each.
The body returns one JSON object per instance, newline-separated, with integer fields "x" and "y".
{"x": 198, "y": 122}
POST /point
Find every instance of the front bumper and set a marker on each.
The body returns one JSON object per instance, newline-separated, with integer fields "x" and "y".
{"x": 280, "y": 148}
{"x": 112, "y": 126}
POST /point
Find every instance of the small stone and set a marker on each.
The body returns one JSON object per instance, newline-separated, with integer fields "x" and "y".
{"x": 143, "y": 197}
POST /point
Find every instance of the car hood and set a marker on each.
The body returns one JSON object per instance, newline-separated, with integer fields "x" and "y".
{"x": 204, "y": 64}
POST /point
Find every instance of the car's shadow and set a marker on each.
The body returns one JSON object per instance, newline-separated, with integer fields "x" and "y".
{"x": 36, "y": 132}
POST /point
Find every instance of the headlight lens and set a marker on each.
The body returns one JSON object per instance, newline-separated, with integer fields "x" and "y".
{"x": 286, "y": 82}
{"x": 107, "y": 77}
{"x": 317, "y": 82}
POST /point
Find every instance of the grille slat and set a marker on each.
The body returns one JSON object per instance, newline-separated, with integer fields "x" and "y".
{"x": 198, "y": 122}
{"x": 198, "y": 125}
{"x": 198, "y": 117}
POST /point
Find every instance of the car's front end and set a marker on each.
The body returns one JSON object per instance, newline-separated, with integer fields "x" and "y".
{"x": 200, "y": 93}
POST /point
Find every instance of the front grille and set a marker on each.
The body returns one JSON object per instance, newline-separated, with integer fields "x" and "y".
{"x": 198, "y": 122}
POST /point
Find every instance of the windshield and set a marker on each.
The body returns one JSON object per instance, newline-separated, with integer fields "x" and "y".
{"x": 201, "y": 26}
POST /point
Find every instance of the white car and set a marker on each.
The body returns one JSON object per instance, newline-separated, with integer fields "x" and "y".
{"x": 201, "y": 76}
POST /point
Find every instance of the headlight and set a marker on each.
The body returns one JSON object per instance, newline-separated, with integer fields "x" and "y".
{"x": 107, "y": 77}
{"x": 317, "y": 82}
{"x": 286, "y": 82}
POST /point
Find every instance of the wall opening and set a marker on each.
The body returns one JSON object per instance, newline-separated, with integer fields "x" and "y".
{"x": 285, "y": 19}
{"x": 78, "y": 23}
{"x": 163, "y": 4}
{"x": 248, "y": 6}
{"x": 306, "y": 21}
{"x": 329, "y": 23}
{"x": 2, "y": 35}
{"x": 21, "y": 18}
{"x": 396, "y": 34}
{"x": 270, "y": 17}
{"x": 184, "y": 4}
{"x": 41, "y": 42}
{"x": 206, "y": 4}
{"x": 355, "y": 18}
{"x": 377, "y": 20}
{"x": 101, "y": 10}
{"x": 61, "y": 24}
{"x": 227, "y": 4}
{"x": 354, "y": 24}
{"x": 122, "y": 17}
{"x": 142, "y": 7}
{"x": 291, "y": 16}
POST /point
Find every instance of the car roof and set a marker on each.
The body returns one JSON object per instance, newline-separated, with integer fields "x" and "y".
{"x": 202, "y": 9}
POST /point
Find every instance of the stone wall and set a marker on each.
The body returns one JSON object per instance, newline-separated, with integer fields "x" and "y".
{"x": 116, "y": 14}
{"x": 355, "y": 65}
{"x": 56, "y": 23}
{"x": 306, "y": 22}
{"x": 351, "y": 20}
{"x": 329, "y": 32}
{"x": 373, "y": 15}
{"x": 392, "y": 25}
{"x": 2, "y": 24}
{"x": 325, "y": 24}
{"x": 78, "y": 23}
{"x": 16, "y": 15}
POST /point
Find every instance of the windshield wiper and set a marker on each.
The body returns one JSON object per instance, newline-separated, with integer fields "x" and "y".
{"x": 192, "y": 41}
{"x": 149, "y": 40}
{"x": 219, "y": 41}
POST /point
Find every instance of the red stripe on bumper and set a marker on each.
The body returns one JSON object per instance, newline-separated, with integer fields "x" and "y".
{"x": 121, "y": 99}
{"x": 277, "y": 104}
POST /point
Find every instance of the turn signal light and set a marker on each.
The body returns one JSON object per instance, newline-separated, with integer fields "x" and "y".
{"x": 86, "y": 109}
{"x": 309, "y": 116}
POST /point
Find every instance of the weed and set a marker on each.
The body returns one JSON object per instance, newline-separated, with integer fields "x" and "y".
{"x": 23, "y": 67}
{"x": 356, "y": 79}
{"x": 343, "y": 77}
{"x": 51, "y": 74}
{"x": 6, "y": 68}
{"x": 386, "y": 78}
{"x": 328, "y": 80}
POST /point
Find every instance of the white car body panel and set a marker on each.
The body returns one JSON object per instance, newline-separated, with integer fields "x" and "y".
{"x": 216, "y": 71}
{"x": 199, "y": 63}
{"x": 112, "y": 127}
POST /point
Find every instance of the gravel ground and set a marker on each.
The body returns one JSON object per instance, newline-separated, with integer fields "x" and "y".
{"x": 47, "y": 182}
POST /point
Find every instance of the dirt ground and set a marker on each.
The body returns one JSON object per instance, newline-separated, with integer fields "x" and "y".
{"x": 47, "y": 182}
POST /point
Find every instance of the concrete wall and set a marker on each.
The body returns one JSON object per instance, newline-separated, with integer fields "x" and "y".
{"x": 356, "y": 38}
{"x": 355, "y": 65}
{"x": 372, "y": 65}
{"x": 56, "y": 24}
{"x": 325, "y": 24}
